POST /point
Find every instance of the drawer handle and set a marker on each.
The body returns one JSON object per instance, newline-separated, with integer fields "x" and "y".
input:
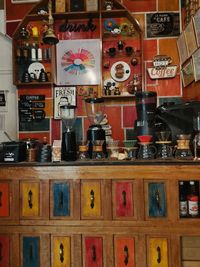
{"x": 30, "y": 196}
{"x": 31, "y": 252}
{"x": 61, "y": 252}
{"x": 61, "y": 200}
{"x": 157, "y": 197}
{"x": 159, "y": 255}
{"x": 94, "y": 253}
{"x": 126, "y": 255}
{"x": 92, "y": 199}
{"x": 124, "y": 198}
{"x": 1, "y": 194}
{"x": 1, "y": 252}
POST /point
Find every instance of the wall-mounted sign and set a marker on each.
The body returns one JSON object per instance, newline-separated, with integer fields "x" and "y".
{"x": 162, "y": 24}
{"x": 63, "y": 96}
{"x": 161, "y": 68}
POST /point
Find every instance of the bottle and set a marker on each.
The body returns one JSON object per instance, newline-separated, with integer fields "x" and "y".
{"x": 33, "y": 52}
{"x": 182, "y": 199}
{"x": 193, "y": 200}
{"x": 26, "y": 51}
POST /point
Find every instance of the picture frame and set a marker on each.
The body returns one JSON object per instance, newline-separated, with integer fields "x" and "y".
{"x": 78, "y": 62}
{"x": 63, "y": 95}
{"x": 182, "y": 48}
{"x": 187, "y": 73}
{"x": 196, "y": 60}
{"x": 196, "y": 19}
{"x": 190, "y": 38}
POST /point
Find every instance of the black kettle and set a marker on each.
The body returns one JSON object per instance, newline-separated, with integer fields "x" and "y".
{"x": 26, "y": 77}
{"x": 43, "y": 77}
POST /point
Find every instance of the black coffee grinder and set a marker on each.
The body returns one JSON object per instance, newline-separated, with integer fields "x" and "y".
{"x": 146, "y": 108}
{"x": 95, "y": 134}
{"x": 68, "y": 149}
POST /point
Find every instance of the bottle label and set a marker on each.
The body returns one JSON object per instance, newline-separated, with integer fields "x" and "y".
{"x": 183, "y": 208}
{"x": 193, "y": 208}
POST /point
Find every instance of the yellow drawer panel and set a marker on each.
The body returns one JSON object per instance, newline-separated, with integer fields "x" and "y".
{"x": 61, "y": 251}
{"x": 91, "y": 197}
{"x": 158, "y": 254}
{"x": 30, "y": 199}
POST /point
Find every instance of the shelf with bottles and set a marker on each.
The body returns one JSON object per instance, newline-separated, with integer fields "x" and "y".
{"x": 189, "y": 206}
{"x": 31, "y": 57}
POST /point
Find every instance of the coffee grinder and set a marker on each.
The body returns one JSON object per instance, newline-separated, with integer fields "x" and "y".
{"x": 146, "y": 108}
{"x": 95, "y": 134}
{"x": 68, "y": 147}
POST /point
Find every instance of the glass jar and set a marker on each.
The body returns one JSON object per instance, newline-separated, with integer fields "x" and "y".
{"x": 97, "y": 153}
{"x": 83, "y": 152}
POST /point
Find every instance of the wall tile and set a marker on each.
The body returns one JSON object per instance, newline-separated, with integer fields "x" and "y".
{"x": 55, "y": 129}
{"x": 129, "y": 116}
{"x": 39, "y": 136}
{"x": 140, "y": 5}
{"x": 169, "y": 47}
{"x": 164, "y": 5}
{"x": 150, "y": 49}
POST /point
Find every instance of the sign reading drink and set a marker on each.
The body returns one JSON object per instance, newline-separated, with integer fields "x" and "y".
{"x": 161, "y": 73}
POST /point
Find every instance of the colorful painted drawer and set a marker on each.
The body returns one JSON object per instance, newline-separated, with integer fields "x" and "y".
{"x": 61, "y": 251}
{"x": 123, "y": 199}
{"x": 124, "y": 247}
{"x": 9, "y": 207}
{"x": 4, "y": 251}
{"x": 93, "y": 251}
{"x": 65, "y": 199}
{"x": 95, "y": 199}
{"x": 156, "y": 199}
{"x": 35, "y": 250}
{"x": 158, "y": 254}
{"x": 34, "y": 199}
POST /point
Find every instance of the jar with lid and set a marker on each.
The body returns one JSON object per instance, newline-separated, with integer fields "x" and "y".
{"x": 193, "y": 200}
{"x": 97, "y": 153}
{"x": 83, "y": 152}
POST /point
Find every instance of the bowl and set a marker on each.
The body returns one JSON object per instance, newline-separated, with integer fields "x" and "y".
{"x": 130, "y": 143}
{"x": 145, "y": 138}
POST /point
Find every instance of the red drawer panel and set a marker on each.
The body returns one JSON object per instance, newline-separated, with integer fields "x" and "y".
{"x": 124, "y": 199}
{"x": 124, "y": 252}
{"x": 93, "y": 252}
{"x": 4, "y": 199}
{"x": 4, "y": 251}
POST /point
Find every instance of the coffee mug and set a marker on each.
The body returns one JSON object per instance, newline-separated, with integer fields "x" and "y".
{"x": 112, "y": 51}
{"x": 129, "y": 50}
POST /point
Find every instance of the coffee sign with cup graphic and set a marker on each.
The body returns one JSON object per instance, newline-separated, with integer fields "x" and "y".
{"x": 161, "y": 68}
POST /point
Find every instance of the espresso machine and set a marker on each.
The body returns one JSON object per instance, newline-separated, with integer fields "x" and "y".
{"x": 68, "y": 147}
{"x": 95, "y": 134}
{"x": 146, "y": 107}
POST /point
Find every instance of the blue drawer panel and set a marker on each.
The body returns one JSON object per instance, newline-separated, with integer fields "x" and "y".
{"x": 157, "y": 200}
{"x": 31, "y": 254}
{"x": 61, "y": 195}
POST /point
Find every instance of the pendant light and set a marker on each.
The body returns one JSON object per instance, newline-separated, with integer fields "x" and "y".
{"x": 49, "y": 36}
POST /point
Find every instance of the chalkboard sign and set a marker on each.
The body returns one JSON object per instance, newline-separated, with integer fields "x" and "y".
{"x": 162, "y": 25}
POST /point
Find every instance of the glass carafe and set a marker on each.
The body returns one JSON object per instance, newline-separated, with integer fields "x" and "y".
{"x": 164, "y": 150}
{"x": 183, "y": 150}
{"x": 146, "y": 151}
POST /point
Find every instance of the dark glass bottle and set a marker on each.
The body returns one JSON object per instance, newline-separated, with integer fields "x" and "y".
{"x": 193, "y": 199}
{"x": 183, "y": 199}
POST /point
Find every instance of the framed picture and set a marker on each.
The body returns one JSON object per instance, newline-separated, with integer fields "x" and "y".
{"x": 78, "y": 62}
{"x": 63, "y": 95}
{"x": 196, "y": 60}
{"x": 196, "y": 23}
{"x": 182, "y": 48}
{"x": 190, "y": 38}
{"x": 187, "y": 73}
